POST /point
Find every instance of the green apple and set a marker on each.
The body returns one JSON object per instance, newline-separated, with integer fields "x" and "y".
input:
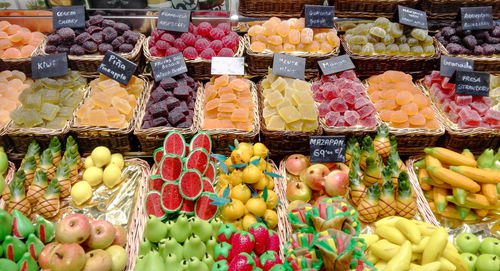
{"x": 467, "y": 242}
{"x": 470, "y": 260}
{"x": 488, "y": 262}
{"x": 489, "y": 245}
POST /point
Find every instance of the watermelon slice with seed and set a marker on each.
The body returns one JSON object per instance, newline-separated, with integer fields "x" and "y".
{"x": 171, "y": 199}
{"x": 174, "y": 143}
{"x": 188, "y": 207}
{"x": 153, "y": 205}
{"x": 191, "y": 184}
{"x": 210, "y": 172}
{"x": 198, "y": 159}
{"x": 201, "y": 140}
{"x": 204, "y": 209}
{"x": 155, "y": 183}
{"x": 170, "y": 167}
{"x": 158, "y": 155}
{"x": 207, "y": 185}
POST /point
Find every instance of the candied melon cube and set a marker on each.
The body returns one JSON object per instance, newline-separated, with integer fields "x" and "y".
{"x": 308, "y": 112}
{"x": 122, "y": 105}
{"x": 72, "y": 101}
{"x": 276, "y": 123}
{"x": 101, "y": 100}
{"x": 115, "y": 91}
{"x": 269, "y": 111}
{"x": 49, "y": 111}
{"x": 211, "y": 124}
{"x": 227, "y": 98}
{"x": 96, "y": 117}
{"x": 266, "y": 92}
{"x": 303, "y": 97}
{"x": 310, "y": 125}
{"x": 32, "y": 118}
{"x": 240, "y": 85}
{"x": 294, "y": 126}
{"x": 108, "y": 84}
{"x": 280, "y": 84}
{"x": 289, "y": 114}
{"x": 284, "y": 103}
{"x": 65, "y": 112}
{"x": 240, "y": 115}
{"x": 301, "y": 85}
{"x": 274, "y": 98}
{"x": 17, "y": 116}
{"x": 224, "y": 116}
{"x": 112, "y": 114}
{"x": 226, "y": 107}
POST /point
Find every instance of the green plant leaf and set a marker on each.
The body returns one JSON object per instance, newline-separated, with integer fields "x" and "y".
{"x": 238, "y": 165}
{"x": 274, "y": 175}
{"x": 255, "y": 162}
{"x": 225, "y": 194}
{"x": 224, "y": 168}
{"x": 219, "y": 157}
{"x": 264, "y": 193}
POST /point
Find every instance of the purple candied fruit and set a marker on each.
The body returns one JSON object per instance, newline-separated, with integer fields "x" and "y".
{"x": 324, "y": 108}
{"x": 454, "y": 48}
{"x": 117, "y": 42}
{"x": 190, "y": 81}
{"x": 53, "y": 39}
{"x": 448, "y": 31}
{"x": 125, "y": 48}
{"x": 76, "y": 50}
{"x": 158, "y": 110}
{"x": 104, "y": 47}
{"x": 369, "y": 121}
{"x": 168, "y": 83}
{"x": 94, "y": 29}
{"x": 184, "y": 108}
{"x": 62, "y": 49}
{"x": 108, "y": 23}
{"x": 489, "y": 49}
{"x": 109, "y": 34}
{"x": 176, "y": 116}
{"x": 191, "y": 105}
{"x": 332, "y": 118}
{"x": 83, "y": 37}
{"x": 492, "y": 117}
{"x": 361, "y": 102}
{"x": 470, "y": 42}
{"x": 146, "y": 124}
{"x": 97, "y": 19}
{"x": 463, "y": 99}
{"x": 348, "y": 74}
{"x": 181, "y": 92}
{"x": 349, "y": 96}
{"x": 50, "y": 49}
{"x": 469, "y": 117}
{"x": 171, "y": 103}
{"x": 66, "y": 34}
{"x": 481, "y": 108}
{"x": 90, "y": 46}
{"x": 185, "y": 124}
{"x": 121, "y": 28}
{"x": 159, "y": 95}
{"x": 161, "y": 121}
{"x": 338, "y": 105}
{"x": 131, "y": 36}
{"x": 351, "y": 117}
{"x": 366, "y": 111}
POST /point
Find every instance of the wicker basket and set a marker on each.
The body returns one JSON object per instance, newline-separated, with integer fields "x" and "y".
{"x": 474, "y": 139}
{"x": 21, "y": 64}
{"x": 222, "y": 138}
{"x": 88, "y": 64}
{"x": 5, "y": 141}
{"x": 369, "y": 8}
{"x": 278, "y": 8}
{"x": 116, "y": 139}
{"x": 152, "y": 138}
{"x": 448, "y": 9}
{"x": 8, "y": 178}
{"x": 415, "y": 65}
{"x": 199, "y": 69}
{"x": 489, "y": 64}
{"x": 258, "y": 63}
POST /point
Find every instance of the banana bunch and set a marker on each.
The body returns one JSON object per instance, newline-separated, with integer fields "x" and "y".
{"x": 401, "y": 244}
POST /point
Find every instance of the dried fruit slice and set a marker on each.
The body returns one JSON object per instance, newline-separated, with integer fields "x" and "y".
{"x": 207, "y": 185}
{"x": 204, "y": 209}
{"x": 158, "y": 155}
{"x": 153, "y": 205}
{"x": 201, "y": 140}
{"x": 174, "y": 143}
{"x": 170, "y": 167}
{"x": 188, "y": 207}
{"x": 155, "y": 183}
{"x": 190, "y": 184}
{"x": 210, "y": 172}
{"x": 198, "y": 159}
{"x": 171, "y": 199}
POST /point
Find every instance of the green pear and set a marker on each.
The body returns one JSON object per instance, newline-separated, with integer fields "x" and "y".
{"x": 169, "y": 224}
{"x": 210, "y": 245}
{"x": 185, "y": 265}
{"x": 145, "y": 246}
{"x": 139, "y": 263}
{"x": 181, "y": 229}
{"x": 27, "y": 263}
{"x": 216, "y": 223}
{"x": 170, "y": 246}
{"x": 155, "y": 229}
{"x": 34, "y": 245}
{"x": 5, "y": 224}
{"x": 201, "y": 228}
{"x": 154, "y": 262}
{"x": 196, "y": 265}
{"x": 8, "y": 265}
{"x": 172, "y": 262}
{"x": 193, "y": 248}
{"x": 208, "y": 260}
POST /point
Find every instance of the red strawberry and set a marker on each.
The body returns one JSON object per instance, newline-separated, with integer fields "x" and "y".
{"x": 242, "y": 262}
{"x": 226, "y": 232}
{"x": 222, "y": 252}
{"x": 221, "y": 265}
{"x": 274, "y": 242}
{"x": 242, "y": 242}
{"x": 261, "y": 235}
{"x": 269, "y": 259}
{"x": 256, "y": 260}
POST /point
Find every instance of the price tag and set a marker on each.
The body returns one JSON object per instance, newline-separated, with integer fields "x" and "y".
{"x": 174, "y": 19}
{"x": 168, "y": 66}
{"x": 68, "y": 16}
{"x": 474, "y": 18}
{"x": 336, "y": 64}
{"x": 327, "y": 149}
{"x": 117, "y": 68}
{"x": 472, "y": 83}
{"x": 289, "y": 66}
{"x": 451, "y": 64}
{"x": 49, "y": 66}
{"x": 319, "y": 16}
{"x": 228, "y": 65}
{"x": 412, "y": 17}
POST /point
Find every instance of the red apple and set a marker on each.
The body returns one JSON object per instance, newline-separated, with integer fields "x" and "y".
{"x": 120, "y": 236}
{"x": 102, "y": 234}
{"x": 74, "y": 228}
{"x": 314, "y": 176}
{"x": 46, "y": 254}
{"x": 298, "y": 190}
{"x": 339, "y": 166}
{"x": 296, "y": 163}
{"x": 336, "y": 183}
{"x": 68, "y": 257}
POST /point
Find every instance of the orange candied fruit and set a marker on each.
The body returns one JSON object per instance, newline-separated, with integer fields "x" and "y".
{"x": 17, "y": 41}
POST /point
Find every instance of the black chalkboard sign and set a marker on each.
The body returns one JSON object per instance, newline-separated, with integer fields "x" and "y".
{"x": 474, "y": 18}
{"x": 117, "y": 68}
{"x": 228, "y": 65}
{"x": 472, "y": 83}
{"x": 289, "y": 66}
{"x": 451, "y": 64}
{"x": 412, "y": 17}
{"x": 327, "y": 149}
{"x": 174, "y": 19}
{"x": 68, "y": 16}
{"x": 336, "y": 64}
{"x": 49, "y": 66}
{"x": 319, "y": 16}
{"x": 168, "y": 66}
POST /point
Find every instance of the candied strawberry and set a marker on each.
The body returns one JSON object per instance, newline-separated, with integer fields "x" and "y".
{"x": 168, "y": 37}
{"x": 226, "y": 52}
{"x": 230, "y": 41}
{"x": 171, "y": 51}
{"x": 217, "y": 33}
{"x": 191, "y": 28}
{"x": 162, "y": 45}
{"x": 179, "y": 44}
{"x": 208, "y": 53}
{"x": 216, "y": 45}
{"x": 201, "y": 45}
{"x": 156, "y": 52}
{"x": 225, "y": 27}
{"x": 204, "y": 29}
{"x": 188, "y": 38}
{"x": 190, "y": 53}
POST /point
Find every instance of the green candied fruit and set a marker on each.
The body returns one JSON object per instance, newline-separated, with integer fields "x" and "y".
{"x": 367, "y": 49}
{"x": 412, "y": 41}
{"x": 72, "y": 101}
{"x": 80, "y": 83}
{"x": 74, "y": 74}
{"x": 65, "y": 93}
{"x": 404, "y": 49}
{"x": 38, "y": 84}
{"x": 417, "y": 50}
{"x": 56, "y": 123}
{"x": 50, "y": 95}
{"x": 350, "y": 32}
{"x": 361, "y": 29}
{"x": 356, "y": 48}
{"x": 34, "y": 101}
{"x": 17, "y": 116}
{"x": 49, "y": 111}
{"x": 402, "y": 40}
{"x": 419, "y": 34}
{"x": 359, "y": 39}
{"x": 66, "y": 112}
{"x": 348, "y": 38}
{"x": 396, "y": 30}
{"x": 23, "y": 97}
{"x": 377, "y": 32}
{"x": 32, "y": 118}
{"x": 372, "y": 39}
{"x": 428, "y": 41}
{"x": 392, "y": 49}
{"x": 379, "y": 48}
{"x": 429, "y": 50}
{"x": 388, "y": 39}
{"x": 382, "y": 22}
{"x": 51, "y": 83}
{"x": 346, "y": 26}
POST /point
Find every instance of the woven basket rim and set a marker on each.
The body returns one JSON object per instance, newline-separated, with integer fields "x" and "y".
{"x": 130, "y": 124}
{"x": 491, "y": 58}
{"x": 255, "y": 125}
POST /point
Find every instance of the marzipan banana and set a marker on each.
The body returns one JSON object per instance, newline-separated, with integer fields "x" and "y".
{"x": 410, "y": 230}
{"x": 435, "y": 246}
{"x": 401, "y": 261}
{"x": 390, "y": 233}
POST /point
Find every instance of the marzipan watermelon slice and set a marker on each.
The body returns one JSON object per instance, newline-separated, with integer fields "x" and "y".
{"x": 207, "y": 185}
{"x": 170, "y": 167}
{"x": 171, "y": 199}
{"x": 210, "y": 172}
{"x": 190, "y": 184}
{"x": 188, "y": 207}
{"x": 198, "y": 159}
{"x": 153, "y": 205}
{"x": 203, "y": 209}
{"x": 201, "y": 140}
{"x": 155, "y": 182}
{"x": 174, "y": 143}
{"x": 158, "y": 155}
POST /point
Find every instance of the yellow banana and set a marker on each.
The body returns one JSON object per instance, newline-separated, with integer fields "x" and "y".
{"x": 447, "y": 265}
{"x": 419, "y": 248}
{"x": 416, "y": 257}
{"x": 451, "y": 254}
{"x": 435, "y": 246}
{"x": 372, "y": 258}
{"x": 381, "y": 265}
{"x": 409, "y": 229}
{"x": 425, "y": 228}
{"x": 384, "y": 250}
{"x": 434, "y": 266}
{"x": 387, "y": 221}
{"x": 390, "y": 233}
{"x": 415, "y": 267}
{"x": 400, "y": 261}
{"x": 369, "y": 238}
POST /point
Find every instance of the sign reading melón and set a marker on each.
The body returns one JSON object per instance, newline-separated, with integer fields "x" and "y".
{"x": 289, "y": 66}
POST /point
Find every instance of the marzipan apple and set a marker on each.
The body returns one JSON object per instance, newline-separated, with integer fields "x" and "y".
{"x": 46, "y": 254}
{"x": 68, "y": 257}
{"x": 314, "y": 176}
{"x": 296, "y": 163}
{"x": 119, "y": 258}
{"x": 74, "y": 228}
{"x": 336, "y": 183}
{"x": 120, "y": 236}
{"x": 97, "y": 260}
{"x": 298, "y": 190}
{"x": 102, "y": 234}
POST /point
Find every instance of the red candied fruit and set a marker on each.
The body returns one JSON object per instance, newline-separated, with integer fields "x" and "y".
{"x": 225, "y": 27}
{"x": 216, "y": 45}
{"x": 156, "y": 52}
{"x": 179, "y": 44}
{"x": 217, "y": 33}
{"x": 168, "y": 37}
{"x": 171, "y": 51}
{"x": 190, "y": 53}
{"x": 191, "y": 28}
{"x": 162, "y": 45}
{"x": 208, "y": 53}
{"x": 230, "y": 41}
{"x": 188, "y": 38}
{"x": 226, "y": 52}
{"x": 204, "y": 29}
{"x": 201, "y": 44}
